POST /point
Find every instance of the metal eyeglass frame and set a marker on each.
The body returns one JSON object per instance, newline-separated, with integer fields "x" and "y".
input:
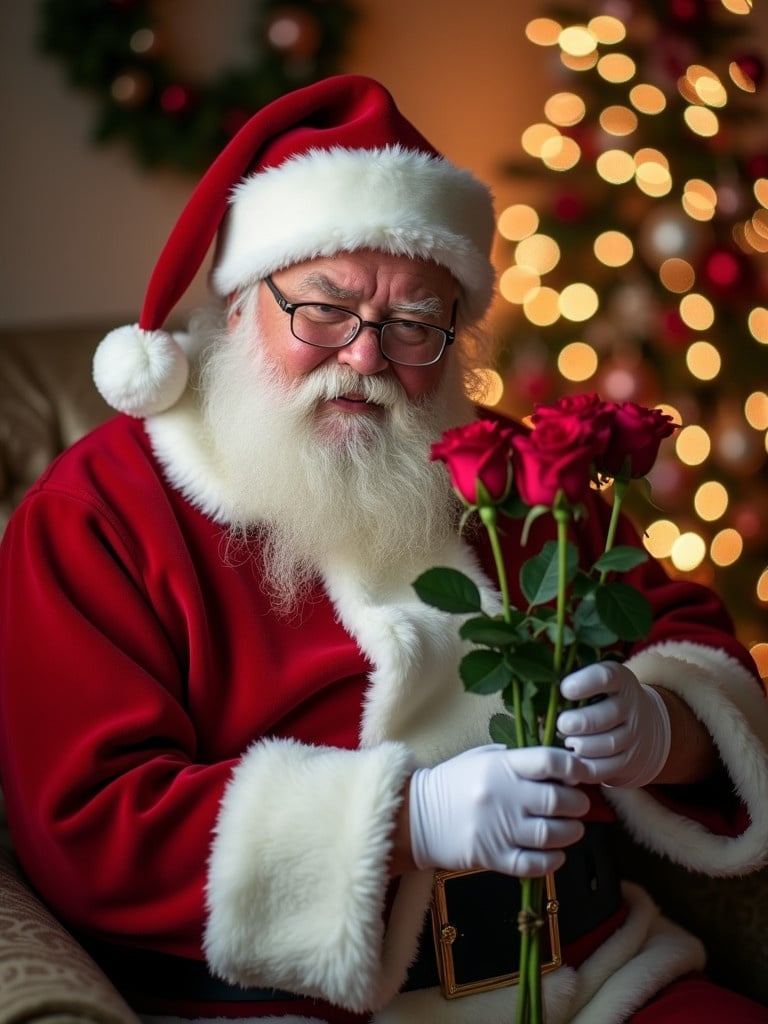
{"x": 449, "y": 333}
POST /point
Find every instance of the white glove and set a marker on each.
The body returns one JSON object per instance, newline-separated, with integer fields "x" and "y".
{"x": 504, "y": 810}
{"x": 624, "y": 739}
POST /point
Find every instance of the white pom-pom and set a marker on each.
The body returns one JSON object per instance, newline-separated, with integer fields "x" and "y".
{"x": 140, "y": 372}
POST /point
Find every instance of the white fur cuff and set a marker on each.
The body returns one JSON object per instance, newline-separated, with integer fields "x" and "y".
{"x": 298, "y": 870}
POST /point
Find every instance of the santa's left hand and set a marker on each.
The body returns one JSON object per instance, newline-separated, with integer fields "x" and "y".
{"x": 623, "y": 739}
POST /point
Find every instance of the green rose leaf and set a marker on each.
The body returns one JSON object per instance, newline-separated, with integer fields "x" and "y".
{"x": 492, "y": 632}
{"x": 484, "y": 672}
{"x": 449, "y": 590}
{"x": 624, "y": 610}
{"x": 539, "y": 575}
{"x": 502, "y": 730}
{"x": 589, "y": 627}
{"x": 583, "y": 584}
{"x": 532, "y": 663}
{"x": 621, "y": 558}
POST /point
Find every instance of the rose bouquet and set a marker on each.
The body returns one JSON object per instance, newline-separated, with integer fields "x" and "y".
{"x": 574, "y": 614}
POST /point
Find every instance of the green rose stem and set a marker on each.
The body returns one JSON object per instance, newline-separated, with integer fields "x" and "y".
{"x": 620, "y": 488}
{"x": 529, "y": 996}
{"x": 489, "y": 517}
{"x": 530, "y": 1005}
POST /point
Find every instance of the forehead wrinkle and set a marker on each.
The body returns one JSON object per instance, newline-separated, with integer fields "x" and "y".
{"x": 317, "y": 281}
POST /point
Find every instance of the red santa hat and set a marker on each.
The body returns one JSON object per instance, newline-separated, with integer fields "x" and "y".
{"x": 330, "y": 168}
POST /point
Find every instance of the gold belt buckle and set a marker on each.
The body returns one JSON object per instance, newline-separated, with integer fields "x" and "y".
{"x": 457, "y": 924}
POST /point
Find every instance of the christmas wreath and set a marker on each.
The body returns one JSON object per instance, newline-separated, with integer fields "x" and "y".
{"x": 114, "y": 49}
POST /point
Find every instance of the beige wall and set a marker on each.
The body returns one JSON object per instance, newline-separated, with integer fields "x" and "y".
{"x": 82, "y": 225}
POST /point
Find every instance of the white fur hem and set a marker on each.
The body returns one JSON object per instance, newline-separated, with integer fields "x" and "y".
{"x": 298, "y": 869}
{"x": 727, "y": 700}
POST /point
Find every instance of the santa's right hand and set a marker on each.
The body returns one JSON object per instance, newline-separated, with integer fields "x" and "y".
{"x": 504, "y": 810}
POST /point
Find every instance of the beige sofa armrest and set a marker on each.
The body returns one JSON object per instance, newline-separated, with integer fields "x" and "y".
{"x": 46, "y": 977}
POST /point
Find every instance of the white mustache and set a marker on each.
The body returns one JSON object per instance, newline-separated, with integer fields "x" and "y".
{"x": 329, "y": 382}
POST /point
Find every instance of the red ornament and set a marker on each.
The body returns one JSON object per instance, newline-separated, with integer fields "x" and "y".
{"x": 569, "y": 207}
{"x": 726, "y": 271}
{"x": 752, "y": 66}
{"x": 673, "y": 330}
{"x": 175, "y": 99}
{"x": 688, "y": 13}
{"x": 757, "y": 166}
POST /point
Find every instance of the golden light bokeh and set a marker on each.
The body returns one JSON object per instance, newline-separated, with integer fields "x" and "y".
{"x": 703, "y": 360}
{"x": 574, "y": 63}
{"x": 561, "y": 153}
{"x": 697, "y": 311}
{"x": 677, "y": 275}
{"x": 702, "y": 121}
{"x": 543, "y": 31}
{"x": 538, "y": 252}
{"x": 615, "y": 166}
{"x": 748, "y": 238}
{"x": 710, "y": 501}
{"x": 660, "y": 536}
{"x": 738, "y": 6}
{"x": 577, "y": 41}
{"x": 565, "y": 109}
{"x": 760, "y": 188}
{"x": 607, "y": 29}
{"x": 536, "y": 135}
{"x": 516, "y": 284}
{"x": 762, "y": 586}
{"x": 693, "y": 445}
{"x": 756, "y": 410}
{"x": 578, "y": 302}
{"x": 759, "y": 654}
{"x": 616, "y": 68}
{"x": 577, "y": 361}
{"x": 688, "y": 551}
{"x": 490, "y": 387}
{"x": 618, "y": 120}
{"x": 707, "y": 86}
{"x": 613, "y": 248}
{"x": 648, "y": 99}
{"x": 653, "y": 178}
{"x": 726, "y": 547}
{"x": 759, "y": 222}
{"x": 517, "y": 222}
{"x": 541, "y": 306}
{"x": 757, "y": 321}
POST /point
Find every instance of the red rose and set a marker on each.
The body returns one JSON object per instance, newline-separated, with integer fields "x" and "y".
{"x": 636, "y": 434}
{"x": 477, "y": 453}
{"x": 588, "y": 409}
{"x": 555, "y": 456}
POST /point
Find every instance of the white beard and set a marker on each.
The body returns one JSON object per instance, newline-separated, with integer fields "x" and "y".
{"x": 310, "y": 493}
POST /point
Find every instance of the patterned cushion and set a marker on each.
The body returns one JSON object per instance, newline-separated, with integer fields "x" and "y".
{"x": 45, "y": 975}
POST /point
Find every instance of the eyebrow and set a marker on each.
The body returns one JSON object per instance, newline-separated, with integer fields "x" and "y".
{"x": 431, "y": 306}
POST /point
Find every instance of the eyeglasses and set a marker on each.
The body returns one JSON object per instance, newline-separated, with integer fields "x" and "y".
{"x": 407, "y": 342}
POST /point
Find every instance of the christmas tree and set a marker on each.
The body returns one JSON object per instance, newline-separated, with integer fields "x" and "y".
{"x": 641, "y": 271}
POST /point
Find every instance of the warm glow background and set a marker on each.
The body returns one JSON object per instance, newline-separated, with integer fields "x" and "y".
{"x": 82, "y": 225}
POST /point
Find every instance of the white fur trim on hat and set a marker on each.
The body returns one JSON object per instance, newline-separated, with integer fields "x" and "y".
{"x": 140, "y": 372}
{"x": 391, "y": 199}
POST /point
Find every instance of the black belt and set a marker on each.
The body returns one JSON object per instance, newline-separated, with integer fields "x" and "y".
{"x": 588, "y": 892}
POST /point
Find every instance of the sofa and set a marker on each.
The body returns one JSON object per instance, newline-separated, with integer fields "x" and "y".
{"x": 47, "y": 400}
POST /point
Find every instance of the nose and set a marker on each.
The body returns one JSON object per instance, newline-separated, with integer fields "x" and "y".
{"x": 364, "y": 354}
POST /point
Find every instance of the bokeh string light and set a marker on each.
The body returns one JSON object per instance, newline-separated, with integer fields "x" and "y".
{"x": 642, "y": 275}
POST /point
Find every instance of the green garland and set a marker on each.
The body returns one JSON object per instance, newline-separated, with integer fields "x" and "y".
{"x": 111, "y": 49}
